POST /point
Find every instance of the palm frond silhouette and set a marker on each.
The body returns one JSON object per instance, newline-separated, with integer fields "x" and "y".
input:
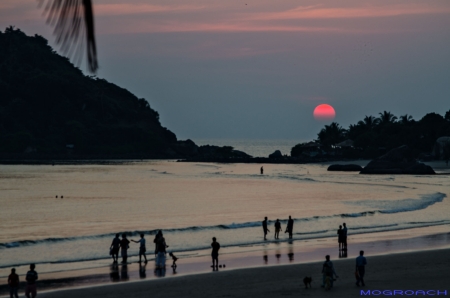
{"x": 73, "y": 22}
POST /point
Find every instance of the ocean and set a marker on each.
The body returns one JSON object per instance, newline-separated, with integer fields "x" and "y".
{"x": 255, "y": 148}
{"x": 64, "y": 217}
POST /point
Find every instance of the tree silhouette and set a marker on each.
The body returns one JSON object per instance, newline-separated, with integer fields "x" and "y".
{"x": 332, "y": 134}
{"x": 406, "y": 119}
{"x": 369, "y": 122}
{"x": 73, "y": 21}
{"x": 447, "y": 115}
{"x": 387, "y": 118}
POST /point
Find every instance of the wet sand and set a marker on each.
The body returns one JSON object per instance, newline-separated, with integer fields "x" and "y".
{"x": 427, "y": 271}
{"x": 274, "y": 264}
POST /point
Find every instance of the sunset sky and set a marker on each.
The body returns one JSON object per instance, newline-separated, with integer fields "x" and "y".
{"x": 257, "y": 69}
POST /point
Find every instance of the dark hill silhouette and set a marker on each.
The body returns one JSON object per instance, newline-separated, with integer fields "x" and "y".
{"x": 50, "y": 110}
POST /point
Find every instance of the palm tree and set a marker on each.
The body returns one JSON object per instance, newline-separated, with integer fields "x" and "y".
{"x": 332, "y": 134}
{"x": 406, "y": 119}
{"x": 369, "y": 122}
{"x": 73, "y": 21}
{"x": 387, "y": 118}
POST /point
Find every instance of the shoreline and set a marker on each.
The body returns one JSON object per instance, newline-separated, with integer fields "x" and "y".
{"x": 116, "y": 161}
{"x": 251, "y": 257}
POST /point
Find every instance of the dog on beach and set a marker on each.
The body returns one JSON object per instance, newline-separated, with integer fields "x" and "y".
{"x": 307, "y": 281}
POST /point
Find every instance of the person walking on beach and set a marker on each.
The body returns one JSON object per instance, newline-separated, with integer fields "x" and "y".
{"x": 161, "y": 251}
{"x": 142, "y": 248}
{"x": 277, "y": 229}
{"x": 361, "y": 262}
{"x": 215, "y": 252}
{"x": 344, "y": 242}
{"x": 31, "y": 278}
{"x": 262, "y": 170}
{"x": 328, "y": 273}
{"x": 340, "y": 233}
{"x": 290, "y": 227}
{"x": 13, "y": 283}
{"x": 124, "y": 245}
{"x": 265, "y": 229}
{"x": 114, "y": 248}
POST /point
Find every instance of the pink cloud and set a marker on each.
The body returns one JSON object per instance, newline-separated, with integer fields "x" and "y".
{"x": 141, "y": 8}
{"x": 314, "y": 12}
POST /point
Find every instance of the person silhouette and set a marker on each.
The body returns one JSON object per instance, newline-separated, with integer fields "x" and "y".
{"x": 13, "y": 283}
{"x": 290, "y": 227}
{"x": 161, "y": 251}
{"x": 215, "y": 252}
{"x": 114, "y": 248}
{"x": 344, "y": 238}
{"x": 265, "y": 229}
{"x": 156, "y": 241}
{"x": 31, "y": 278}
{"x": 262, "y": 170}
{"x": 124, "y": 245}
{"x": 328, "y": 272}
{"x": 277, "y": 229}
{"x": 142, "y": 248}
{"x": 361, "y": 263}
{"x": 340, "y": 233}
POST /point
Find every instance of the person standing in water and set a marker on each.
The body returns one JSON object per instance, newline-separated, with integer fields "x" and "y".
{"x": 215, "y": 252}
{"x": 265, "y": 229}
{"x": 340, "y": 233}
{"x": 124, "y": 245}
{"x": 290, "y": 227}
{"x": 344, "y": 237}
{"x": 277, "y": 229}
{"x": 114, "y": 249}
{"x": 161, "y": 251}
{"x": 156, "y": 241}
{"x": 142, "y": 248}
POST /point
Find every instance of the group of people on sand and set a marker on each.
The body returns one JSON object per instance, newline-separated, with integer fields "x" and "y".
{"x": 31, "y": 277}
{"x": 278, "y": 229}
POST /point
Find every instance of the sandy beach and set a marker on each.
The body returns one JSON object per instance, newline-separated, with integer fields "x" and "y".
{"x": 426, "y": 271}
{"x": 394, "y": 263}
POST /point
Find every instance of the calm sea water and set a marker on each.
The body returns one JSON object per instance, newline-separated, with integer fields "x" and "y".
{"x": 192, "y": 202}
{"x": 255, "y": 148}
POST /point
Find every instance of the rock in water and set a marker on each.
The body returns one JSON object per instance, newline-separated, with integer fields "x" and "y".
{"x": 276, "y": 154}
{"x": 345, "y": 168}
{"x": 397, "y": 161}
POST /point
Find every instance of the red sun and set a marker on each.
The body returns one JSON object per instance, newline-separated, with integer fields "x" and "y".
{"x": 324, "y": 112}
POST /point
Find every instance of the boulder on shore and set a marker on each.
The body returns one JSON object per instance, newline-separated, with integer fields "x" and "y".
{"x": 345, "y": 168}
{"x": 397, "y": 161}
